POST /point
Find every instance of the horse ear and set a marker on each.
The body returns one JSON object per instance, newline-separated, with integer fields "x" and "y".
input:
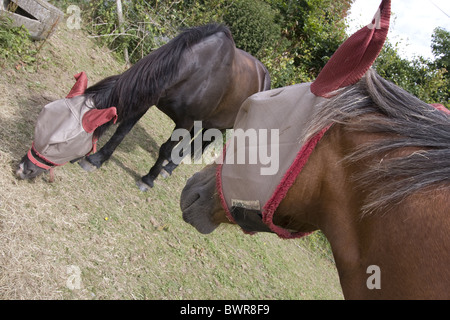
{"x": 79, "y": 86}
{"x": 355, "y": 56}
{"x": 96, "y": 117}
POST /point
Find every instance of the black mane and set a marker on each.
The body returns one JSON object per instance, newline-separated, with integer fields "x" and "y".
{"x": 140, "y": 87}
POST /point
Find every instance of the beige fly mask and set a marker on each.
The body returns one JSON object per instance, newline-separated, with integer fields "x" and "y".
{"x": 65, "y": 128}
{"x": 288, "y": 110}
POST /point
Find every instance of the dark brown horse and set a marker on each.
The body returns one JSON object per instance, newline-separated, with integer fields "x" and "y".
{"x": 378, "y": 186}
{"x": 199, "y": 75}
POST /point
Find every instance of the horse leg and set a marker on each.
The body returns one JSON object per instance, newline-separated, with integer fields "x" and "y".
{"x": 164, "y": 158}
{"x": 95, "y": 161}
{"x": 170, "y": 166}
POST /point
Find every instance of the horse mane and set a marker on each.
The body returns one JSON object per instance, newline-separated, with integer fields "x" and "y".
{"x": 381, "y": 107}
{"x": 142, "y": 85}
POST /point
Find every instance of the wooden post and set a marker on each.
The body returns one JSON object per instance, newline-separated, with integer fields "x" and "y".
{"x": 122, "y": 30}
{"x": 38, "y": 16}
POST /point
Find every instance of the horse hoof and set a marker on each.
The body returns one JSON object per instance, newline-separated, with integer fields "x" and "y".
{"x": 143, "y": 186}
{"x": 86, "y": 165}
{"x": 164, "y": 174}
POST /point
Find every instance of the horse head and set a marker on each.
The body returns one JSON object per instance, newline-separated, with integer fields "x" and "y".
{"x": 374, "y": 178}
{"x": 64, "y": 131}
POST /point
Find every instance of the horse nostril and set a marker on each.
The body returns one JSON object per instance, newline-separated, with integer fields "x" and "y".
{"x": 188, "y": 200}
{"x": 20, "y": 172}
{"x": 28, "y": 170}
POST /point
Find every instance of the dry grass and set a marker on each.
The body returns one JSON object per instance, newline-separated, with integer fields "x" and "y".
{"x": 126, "y": 244}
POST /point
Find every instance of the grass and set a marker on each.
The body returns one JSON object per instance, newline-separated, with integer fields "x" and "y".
{"x": 126, "y": 244}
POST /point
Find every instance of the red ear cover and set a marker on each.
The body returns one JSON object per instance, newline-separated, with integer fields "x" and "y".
{"x": 80, "y": 86}
{"x": 97, "y": 117}
{"x": 441, "y": 108}
{"x": 355, "y": 56}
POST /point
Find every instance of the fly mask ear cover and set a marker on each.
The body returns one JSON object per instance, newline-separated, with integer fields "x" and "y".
{"x": 64, "y": 128}
{"x": 346, "y": 67}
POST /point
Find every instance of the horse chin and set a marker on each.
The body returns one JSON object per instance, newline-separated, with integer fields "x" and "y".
{"x": 28, "y": 170}
{"x": 196, "y": 213}
{"x": 204, "y": 226}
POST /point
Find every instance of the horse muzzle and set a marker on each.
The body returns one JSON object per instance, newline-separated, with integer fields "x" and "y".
{"x": 28, "y": 170}
{"x": 197, "y": 201}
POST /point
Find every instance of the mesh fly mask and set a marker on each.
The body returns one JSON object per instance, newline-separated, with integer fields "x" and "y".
{"x": 288, "y": 110}
{"x": 65, "y": 128}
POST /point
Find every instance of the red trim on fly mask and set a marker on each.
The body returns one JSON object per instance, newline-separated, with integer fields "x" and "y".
{"x": 94, "y": 119}
{"x": 440, "y": 107}
{"x": 36, "y": 161}
{"x": 286, "y": 183}
{"x": 40, "y": 156}
{"x": 80, "y": 85}
{"x": 50, "y": 166}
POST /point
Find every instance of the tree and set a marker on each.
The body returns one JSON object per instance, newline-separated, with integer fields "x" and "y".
{"x": 252, "y": 23}
{"x": 418, "y": 76}
{"x": 441, "y": 47}
{"x": 315, "y": 29}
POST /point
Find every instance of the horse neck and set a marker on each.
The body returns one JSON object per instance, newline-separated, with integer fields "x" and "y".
{"x": 406, "y": 243}
{"x": 323, "y": 196}
{"x": 330, "y": 202}
{"x": 340, "y": 213}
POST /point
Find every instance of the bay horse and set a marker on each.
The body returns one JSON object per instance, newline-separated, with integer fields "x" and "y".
{"x": 200, "y": 75}
{"x": 377, "y": 185}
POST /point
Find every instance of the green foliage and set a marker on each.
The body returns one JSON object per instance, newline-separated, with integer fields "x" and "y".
{"x": 293, "y": 38}
{"x": 252, "y": 23}
{"x": 441, "y": 50}
{"x": 282, "y": 68}
{"x": 15, "y": 44}
{"x": 441, "y": 47}
{"x": 418, "y": 76}
{"x": 148, "y": 24}
{"x": 315, "y": 29}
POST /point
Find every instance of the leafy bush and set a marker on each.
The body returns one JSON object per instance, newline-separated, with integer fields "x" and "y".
{"x": 148, "y": 24}
{"x": 282, "y": 68}
{"x": 418, "y": 76}
{"x": 252, "y": 23}
{"x": 15, "y": 44}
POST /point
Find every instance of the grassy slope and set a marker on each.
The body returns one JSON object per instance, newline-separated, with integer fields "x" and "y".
{"x": 127, "y": 244}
